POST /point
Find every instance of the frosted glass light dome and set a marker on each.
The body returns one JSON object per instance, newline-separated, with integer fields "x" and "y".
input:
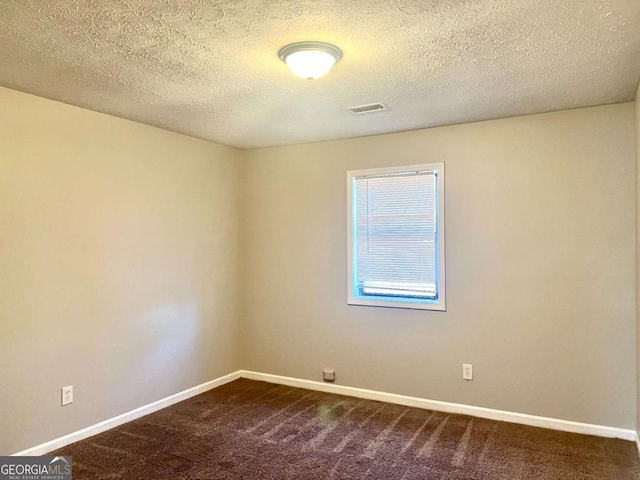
{"x": 310, "y": 60}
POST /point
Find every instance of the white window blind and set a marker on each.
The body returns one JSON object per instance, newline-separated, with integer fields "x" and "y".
{"x": 395, "y": 238}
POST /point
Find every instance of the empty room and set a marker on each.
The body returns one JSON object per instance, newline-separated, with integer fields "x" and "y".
{"x": 319, "y": 240}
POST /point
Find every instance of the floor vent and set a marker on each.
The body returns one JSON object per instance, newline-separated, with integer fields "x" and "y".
{"x": 372, "y": 107}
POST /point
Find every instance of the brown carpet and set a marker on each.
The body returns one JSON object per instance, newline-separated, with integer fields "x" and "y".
{"x": 254, "y": 430}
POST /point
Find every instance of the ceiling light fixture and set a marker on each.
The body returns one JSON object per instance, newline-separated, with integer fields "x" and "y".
{"x": 310, "y": 60}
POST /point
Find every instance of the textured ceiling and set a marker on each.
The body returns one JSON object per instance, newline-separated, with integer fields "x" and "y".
{"x": 210, "y": 68}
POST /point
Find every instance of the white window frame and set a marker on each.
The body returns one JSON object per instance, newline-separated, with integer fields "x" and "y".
{"x": 440, "y": 304}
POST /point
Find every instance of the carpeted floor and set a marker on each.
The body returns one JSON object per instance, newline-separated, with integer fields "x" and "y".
{"x": 258, "y": 431}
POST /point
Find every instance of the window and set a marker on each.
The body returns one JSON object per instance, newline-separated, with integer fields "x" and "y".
{"x": 396, "y": 237}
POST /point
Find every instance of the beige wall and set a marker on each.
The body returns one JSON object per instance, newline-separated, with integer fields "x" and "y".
{"x": 118, "y": 266}
{"x": 637, "y": 165}
{"x": 540, "y": 267}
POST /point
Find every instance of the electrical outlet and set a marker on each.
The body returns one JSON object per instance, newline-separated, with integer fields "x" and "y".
{"x": 467, "y": 371}
{"x": 67, "y": 395}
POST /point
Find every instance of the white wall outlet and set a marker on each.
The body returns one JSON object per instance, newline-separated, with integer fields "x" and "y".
{"x": 467, "y": 371}
{"x": 329, "y": 375}
{"x": 67, "y": 395}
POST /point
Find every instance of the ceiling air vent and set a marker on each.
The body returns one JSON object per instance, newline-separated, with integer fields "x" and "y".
{"x": 372, "y": 107}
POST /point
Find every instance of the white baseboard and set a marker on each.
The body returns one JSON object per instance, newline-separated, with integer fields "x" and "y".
{"x": 638, "y": 442}
{"x": 126, "y": 417}
{"x": 489, "y": 413}
{"x": 521, "y": 418}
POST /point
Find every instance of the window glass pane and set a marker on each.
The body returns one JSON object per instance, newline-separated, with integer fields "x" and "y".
{"x": 395, "y": 235}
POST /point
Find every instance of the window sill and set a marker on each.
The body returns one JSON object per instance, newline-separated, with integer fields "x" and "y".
{"x": 436, "y": 306}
